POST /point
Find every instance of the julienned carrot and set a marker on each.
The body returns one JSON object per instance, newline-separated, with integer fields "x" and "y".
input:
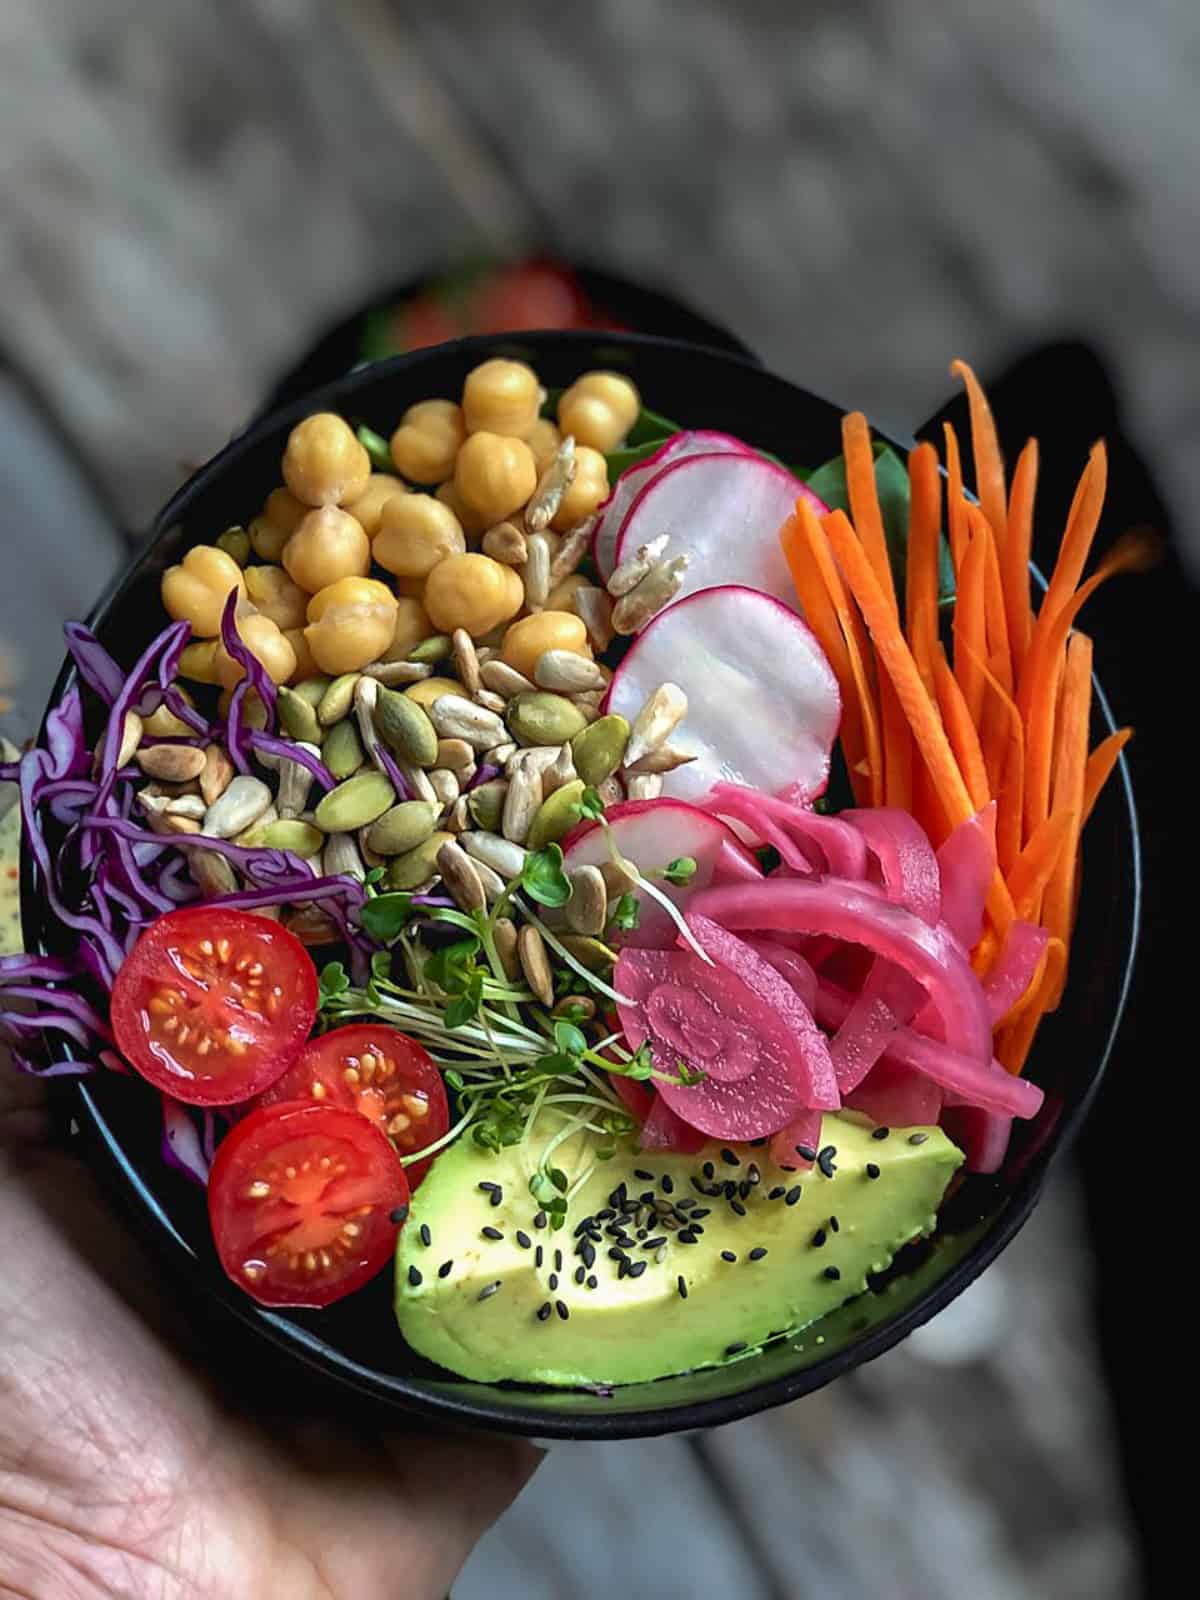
{"x": 924, "y": 538}
{"x": 1100, "y": 765}
{"x": 995, "y": 620}
{"x": 970, "y": 626}
{"x": 817, "y": 610}
{"x": 856, "y": 654}
{"x": 956, "y": 504}
{"x": 960, "y": 730}
{"x": 989, "y": 464}
{"x": 1067, "y": 795}
{"x": 1035, "y": 865}
{"x": 1047, "y": 973}
{"x": 1009, "y": 800}
{"x": 1082, "y": 523}
{"x": 1017, "y": 551}
{"x": 864, "y": 499}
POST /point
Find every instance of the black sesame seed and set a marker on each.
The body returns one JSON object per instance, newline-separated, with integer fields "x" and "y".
{"x": 754, "y": 1175}
{"x": 558, "y": 1261}
{"x": 745, "y": 1188}
{"x": 806, "y": 1152}
{"x": 666, "y": 1184}
{"x": 917, "y": 1138}
{"x": 491, "y": 1233}
{"x": 552, "y": 1282}
{"x": 880, "y": 1133}
{"x": 825, "y": 1160}
{"x": 606, "y": 1215}
{"x": 832, "y": 1274}
{"x": 489, "y": 1188}
{"x": 793, "y": 1195}
{"x": 636, "y": 1268}
{"x": 414, "y": 1277}
{"x": 833, "y": 1225}
{"x": 708, "y": 1169}
{"x": 616, "y": 1254}
{"x": 561, "y": 1308}
{"x": 592, "y": 1281}
{"x": 642, "y": 1232}
{"x": 646, "y": 1177}
{"x": 729, "y": 1190}
{"x": 655, "y": 1243}
{"x": 737, "y": 1208}
{"x": 736, "y": 1348}
{"x": 399, "y": 1215}
{"x": 588, "y": 1254}
{"x": 728, "y": 1255}
{"x": 540, "y": 1219}
{"x": 818, "y": 1238}
{"x": 497, "y": 1196}
{"x": 584, "y": 1227}
{"x": 681, "y": 1286}
{"x": 444, "y": 1269}
{"x": 686, "y": 1203}
{"x": 544, "y": 1310}
{"x": 757, "y": 1253}
{"x": 872, "y": 1170}
{"x": 777, "y": 1193}
{"x": 580, "y": 1274}
{"x": 488, "y": 1290}
{"x": 686, "y": 1236}
{"x": 539, "y": 1255}
{"x": 425, "y": 1236}
{"x": 730, "y": 1160}
{"x": 622, "y": 1267}
{"x": 647, "y": 1197}
{"x": 701, "y": 1211}
{"x": 523, "y": 1239}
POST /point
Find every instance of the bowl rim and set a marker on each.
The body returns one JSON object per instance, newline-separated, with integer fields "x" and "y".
{"x": 436, "y": 1399}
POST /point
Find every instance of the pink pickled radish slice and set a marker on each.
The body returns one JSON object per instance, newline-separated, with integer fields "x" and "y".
{"x": 804, "y": 1133}
{"x": 908, "y": 866}
{"x": 1015, "y": 967}
{"x": 664, "y": 1130}
{"x": 967, "y": 864}
{"x": 789, "y": 964}
{"x": 897, "y": 1097}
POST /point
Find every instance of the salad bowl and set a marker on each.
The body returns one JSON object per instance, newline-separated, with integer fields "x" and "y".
{"x": 354, "y": 1345}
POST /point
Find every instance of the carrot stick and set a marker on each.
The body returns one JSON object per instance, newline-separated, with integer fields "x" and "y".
{"x": 1009, "y": 798}
{"x": 956, "y": 504}
{"x": 1082, "y": 522}
{"x": 1016, "y": 552}
{"x": 995, "y": 620}
{"x": 970, "y": 650}
{"x": 1035, "y": 865}
{"x": 1070, "y": 768}
{"x": 1029, "y": 1006}
{"x": 960, "y": 730}
{"x": 899, "y": 757}
{"x": 924, "y": 537}
{"x": 1100, "y": 765}
{"x": 864, "y": 499}
{"x": 989, "y": 464}
{"x": 856, "y": 653}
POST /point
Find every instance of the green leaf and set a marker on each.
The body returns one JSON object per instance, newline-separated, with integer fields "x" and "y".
{"x": 456, "y": 919}
{"x": 559, "y": 1179}
{"x": 466, "y": 1005}
{"x": 377, "y": 448}
{"x": 381, "y": 966}
{"x": 454, "y": 1078}
{"x": 628, "y": 912}
{"x": 453, "y": 967}
{"x": 557, "y": 1062}
{"x": 680, "y": 871}
{"x": 376, "y": 875}
{"x": 543, "y": 878}
{"x": 591, "y": 805}
{"x": 385, "y": 915}
{"x": 333, "y": 981}
{"x": 651, "y": 425}
{"x": 569, "y": 1039}
{"x": 689, "y": 1076}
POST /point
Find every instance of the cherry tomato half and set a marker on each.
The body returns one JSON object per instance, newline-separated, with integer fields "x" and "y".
{"x": 213, "y": 1005}
{"x": 379, "y": 1072}
{"x": 305, "y": 1203}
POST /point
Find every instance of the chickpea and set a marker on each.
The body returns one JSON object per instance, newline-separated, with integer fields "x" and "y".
{"x": 415, "y": 533}
{"x": 599, "y": 409}
{"x": 306, "y": 667}
{"x": 562, "y": 596}
{"x": 368, "y": 508}
{"x": 324, "y": 464}
{"x": 472, "y": 592}
{"x": 470, "y": 521}
{"x": 431, "y": 689}
{"x": 411, "y": 588}
{"x": 329, "y": 544}
{"x": 263, "y": 639}
{"x": 588, "y": 489}
{"x": 516, "y": 593}
{"x": 197, "y": 661}
{"x": 164, "y": 724}
{"x": 526, "y": 640}
{"x": 544, "y": 442}
{"x": 495, "y": 475}
{"x": 426, "y": 442}
{"x": 502, "y": 397}
{"x": 276, "y": 524}
{"x": 351, "y": 622}
{"x": 276, "y": 596}
{"x": 196, "y": 591}
{"x": 412, "y": 625}
{"x": 254, "y": 713}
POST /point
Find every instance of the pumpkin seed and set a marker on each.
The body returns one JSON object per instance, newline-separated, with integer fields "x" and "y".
{"x": 402, "y": 828}
{"x": 535, "y": 964}
{"x": 312, "y": 690}
{"x": 288, "y": 833}
{"x": 171, "y": 763}
{"x": 567, "y": 672}
{"x": 429, "y": 651}
{"x": 588, "y": 906}
{"x": 491, "y": 702}
{"x": 556, "y": 816}
{"x": 502, "y": 855}
{"x": 486, "y": 804}
{"x": 418, "y": 867}
{"x": 540, "y": 718}
{"x": 342, "y": 751}
{"x": 242, "y": 804}
{"x": 338, "y": 698}
{"x": 298, "y": 717}
{"x": 405, "y": 727}
{"x": 355, "y": 802}
{"x": 590, "y": 953}
{"x": 460, "y": 877}
{"x": 598, "y": 750}
{"x": 269, "y": 815}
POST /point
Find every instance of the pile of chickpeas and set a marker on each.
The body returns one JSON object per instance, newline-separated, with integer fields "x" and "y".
{"x": 464, "y": 468}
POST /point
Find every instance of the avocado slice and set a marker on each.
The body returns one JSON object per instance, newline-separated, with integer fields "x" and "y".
{"x": 801, "y": 1244}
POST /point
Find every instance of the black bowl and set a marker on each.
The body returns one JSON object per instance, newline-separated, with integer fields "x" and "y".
{"x": 355, "y": 1344}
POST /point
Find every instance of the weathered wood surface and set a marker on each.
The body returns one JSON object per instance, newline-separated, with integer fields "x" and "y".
{"x": 862, "y": 191}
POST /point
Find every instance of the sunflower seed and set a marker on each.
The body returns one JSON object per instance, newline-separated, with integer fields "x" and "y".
{"x": 171, "y": 763}
{"x": 460, "y": 877}
{"x": 502, "y": 855}
{"x": 594, "y": 609}
{"x": 444, "y": 785}
{"x": 610, "y": 791}
{"x": 393, "y": 672}
{"x": 588, "y": 905}
{"x": 457, "y": 755}
{"x": 576, "y": 543}
{"x": 466, "y": 662}
{"x": 505, "y": 543}
{"x": 295, "y": 780}
{"x": 211, "y": 871}
{"x": 485, "y": 653}
{"x": 617, "y": 880}
{"x": 341, "y": 857}
{"x": 504, "y": 934}
{"x": 630, "y": 573}
{"x": 504, "y": 680}
{"x": 567, "y": 672}
{"x": 459, "y": 817}
{"x": 659, "y": 716}
{"x": 531, "y": 951}
{"x": 521, "y": 803}
{"x": 217, "y": 775}
{"x": 552, "y": 485}
{"x": 493, "y": 883}
{"x": 665, "y": 758}
{"x": 161, "y": 822}
{"x": 311, "y": 925}
{"x": 537, "y": 757}
{"x": 643, "y": 785}
{"x": 244, "y": 802}
{"x": 186, "y": 805}
{"x": 537, "y": 571}
{"x": 499, "y": 754}
{"x": 589, "y": 703}
{"x": 560, "y": 771}
{"x": 417, "y": 780}
{"x": 490, "y": 701}
{"x": 132, "y": 730}
{"x": 457, "y": 718}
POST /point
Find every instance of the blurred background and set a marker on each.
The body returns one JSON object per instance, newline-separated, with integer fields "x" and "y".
{"x": 196, "y": 192}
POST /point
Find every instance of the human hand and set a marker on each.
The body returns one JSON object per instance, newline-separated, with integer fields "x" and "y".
{"x": 124, "y": 1470}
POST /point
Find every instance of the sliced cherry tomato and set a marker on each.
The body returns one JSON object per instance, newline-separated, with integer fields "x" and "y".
{"x": 379, "y": 1072}
{"x": 305, "y": 1203}
{"x": 534, "y": 294}
{"x": 213, "y": 1005}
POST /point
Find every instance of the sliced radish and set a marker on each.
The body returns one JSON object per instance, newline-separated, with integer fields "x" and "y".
{"x": 652, "y": 834}
{"x": 723, "y": 512}
{"x": 692, "y": 442}
{"x": 763, "y": 703}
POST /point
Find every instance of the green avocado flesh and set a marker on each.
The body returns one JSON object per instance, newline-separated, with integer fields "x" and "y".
{"x": 819, "y": 1251}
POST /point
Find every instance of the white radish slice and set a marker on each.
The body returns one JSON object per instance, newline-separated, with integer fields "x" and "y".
{"x": 652, "y": 834}
{"x": 723, "y": 512}
{"x": 693, "y": 442}
{"x": 763, "y": 703}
